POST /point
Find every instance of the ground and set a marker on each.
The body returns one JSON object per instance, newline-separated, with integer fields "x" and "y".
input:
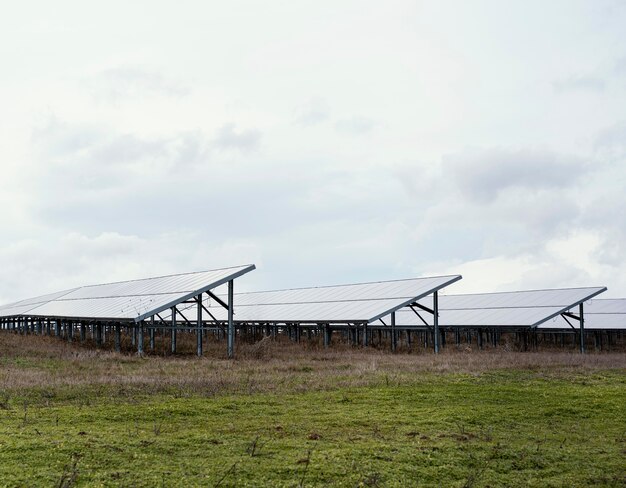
{"x": 293, "y": 415}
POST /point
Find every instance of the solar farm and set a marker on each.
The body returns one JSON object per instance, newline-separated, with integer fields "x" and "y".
{"x": 411, "y": 313}
{"x": 183, "y": 380}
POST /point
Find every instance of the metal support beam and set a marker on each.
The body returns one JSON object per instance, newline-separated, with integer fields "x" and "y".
{"x": 581, "y": 318}
{"x": 394, "y": 335}
{"x": 83, "y": 332}
{"x": 199, "y": 327}
{"x": 173, "y": 330}
{"x": 231, "y": 325}
{"x": 436, "y": 321}
{"x": 151, "y": 333}
{"x": 365, "y": 332}
{"x": 118, "y": 338}
{"x": 140, "y": 338}
{"x": 98, "y": 334}
{"x": 218, "y": 299}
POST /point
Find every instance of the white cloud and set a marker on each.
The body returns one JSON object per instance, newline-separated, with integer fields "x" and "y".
{"x": 572, "y": 261}
{"x": 313, "y": 112}
{"x": 581, "y": 82}
{"x": 483, "y": 175}
{"x": 356, "y": 125}
{"x": 228, "y": 137}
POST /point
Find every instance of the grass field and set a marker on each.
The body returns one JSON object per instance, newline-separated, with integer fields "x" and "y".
{"x": 291, "y": 415}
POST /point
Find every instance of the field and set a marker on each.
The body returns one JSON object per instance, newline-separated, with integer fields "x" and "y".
{"x": 293, "y": 415}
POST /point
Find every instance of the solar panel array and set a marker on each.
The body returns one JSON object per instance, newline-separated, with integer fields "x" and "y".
{"x": 506, "y": 309}
{"x": 363, "y": 302}
{"x": 134, "y": 299}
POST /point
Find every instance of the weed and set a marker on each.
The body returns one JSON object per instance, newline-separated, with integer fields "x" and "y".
{"x": 70, "y": 472}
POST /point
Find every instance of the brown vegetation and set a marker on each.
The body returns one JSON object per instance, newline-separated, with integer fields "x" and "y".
{"x": 266, "y": 366}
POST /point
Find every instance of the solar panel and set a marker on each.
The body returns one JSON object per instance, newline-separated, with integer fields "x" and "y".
{"x": 362, "y": 302}
{"x": 23, "y": 306}
{"x": 506, "y": 309}
{"x": 600, "y": 314}
{"x": 135, "y": 299}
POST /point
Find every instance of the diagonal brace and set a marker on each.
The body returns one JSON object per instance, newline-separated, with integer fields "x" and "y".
{"x": 217, "y": 299}
{"x": 420, "y": 317}
{"x": 423, "y": 307}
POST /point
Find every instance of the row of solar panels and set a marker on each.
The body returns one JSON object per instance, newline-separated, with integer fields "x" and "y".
{"x": 356, "y": 303}
{"x": 536, "y": 308}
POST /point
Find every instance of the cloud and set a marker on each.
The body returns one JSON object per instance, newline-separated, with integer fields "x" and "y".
{"x": 482, "y": 175}
{"x": 356, "y": 125}
{"x": 131, "y": 82}
{"x": 611, "y": 142}
{"x": 228, "y": 137}
{"x": 313, "y": 112}
{"x": 568, "y": 261}
{"x": 85, "y": 158}
{"x": 620, "y": 66}
{"x": 586, "y": 83}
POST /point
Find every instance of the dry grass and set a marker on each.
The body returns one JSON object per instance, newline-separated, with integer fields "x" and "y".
{"x": 28, "y": 362}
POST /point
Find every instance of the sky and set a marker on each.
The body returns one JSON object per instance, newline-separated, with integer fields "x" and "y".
{"x": 325, "y": 142}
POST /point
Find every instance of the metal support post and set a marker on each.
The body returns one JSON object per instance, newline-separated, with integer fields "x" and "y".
{"x": 70, "y": 331}
{"x": 436, "y": 321}
{"x": 98, "y": 334}
{"x": 365, "y": 333}
{"x": 231, "y": 325}
{"x": 118, "y": 338}
{"x": 83, "y": 332}
{"x": 139, "y": 327}
{"x": 581, "y": 318}
{"x": 199, "y": 327}
{"x": 152, "y": 333}
{"x": 173, "y": 330}
{"x": 394, "y": 335}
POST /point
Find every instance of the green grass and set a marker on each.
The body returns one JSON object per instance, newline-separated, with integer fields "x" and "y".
{"x": 492, "y": 428}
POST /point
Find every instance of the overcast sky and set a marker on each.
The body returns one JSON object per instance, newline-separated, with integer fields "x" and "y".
{"x": 326, "y": 142}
